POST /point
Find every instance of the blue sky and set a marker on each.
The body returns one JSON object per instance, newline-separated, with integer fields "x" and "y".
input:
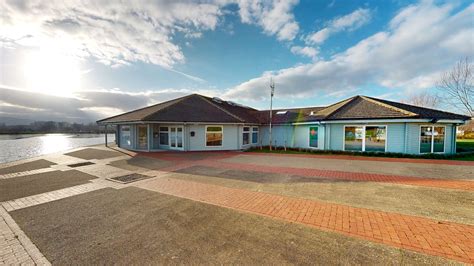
{"x": 103, "y": 59}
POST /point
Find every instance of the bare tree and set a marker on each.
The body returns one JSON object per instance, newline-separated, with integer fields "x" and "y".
{"x": 424, "y": 99}
{"x": 458, "y": 86}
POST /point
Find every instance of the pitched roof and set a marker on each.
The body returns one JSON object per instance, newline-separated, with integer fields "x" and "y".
{"x": 191, "y": 108}
{"x": 198, "y": 108}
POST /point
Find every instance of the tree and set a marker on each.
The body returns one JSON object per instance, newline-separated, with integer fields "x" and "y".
{"x": 423, "y": 99}
{"x": 457, "y": 85}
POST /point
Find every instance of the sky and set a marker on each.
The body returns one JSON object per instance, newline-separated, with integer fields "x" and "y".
{"x": 80, "y": 61}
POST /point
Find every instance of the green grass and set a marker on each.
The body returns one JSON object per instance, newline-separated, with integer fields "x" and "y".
{"x": 464, "y": 145}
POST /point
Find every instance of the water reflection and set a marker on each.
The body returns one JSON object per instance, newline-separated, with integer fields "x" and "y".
{"x": 17, "y": 147}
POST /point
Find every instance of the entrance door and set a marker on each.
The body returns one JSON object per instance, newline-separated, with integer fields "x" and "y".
{"x": 176, "y": 138}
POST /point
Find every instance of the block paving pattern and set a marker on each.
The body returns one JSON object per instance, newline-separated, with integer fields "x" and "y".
{"x": 25, "y": 173}
{"x": 450, "y": 240}
{"x": 351, "y": 176}
{"x": 15, "y": 247}
{"x": 29, "y": 201}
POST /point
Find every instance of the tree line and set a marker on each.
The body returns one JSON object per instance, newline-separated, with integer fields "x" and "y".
{"x": 53, "y": 127}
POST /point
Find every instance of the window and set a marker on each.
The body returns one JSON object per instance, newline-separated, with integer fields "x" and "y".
{"x": 142, "y": 137}
{"x": 313, "y": 137}
{"x": 432, "y": 139}
{"x": 281, "y": 112}
{"x": 365, "y": 138}
{"x": 438, "y": 139}
{"x": 214, "y": 135}
{"x": 425, "y": 139}
{"x": 246, "y": 136}
{"x": 375, "y": 138}
{"x": 164, "y": 140}
{"x": 179, "y": 137}
{"x": 125, "y": 136}
{"x": 254, "y": 135}
{"x": 353, "y": 138}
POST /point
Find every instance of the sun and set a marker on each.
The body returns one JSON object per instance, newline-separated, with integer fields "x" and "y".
{"x": 50, "y": 72}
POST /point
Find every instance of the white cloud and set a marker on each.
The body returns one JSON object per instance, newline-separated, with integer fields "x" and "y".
{"x": 275, "y": 17}
{"x": 116, "y": 33}
{"x": 86, "y": 106}
{"x": 349, "y": 22}
{"x": 305, "y": 51}
{"x": 423, "y": 40}
{"x": 112, "y": 32}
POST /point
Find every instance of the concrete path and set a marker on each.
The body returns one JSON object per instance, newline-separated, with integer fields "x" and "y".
{"x": 450, "y": 240}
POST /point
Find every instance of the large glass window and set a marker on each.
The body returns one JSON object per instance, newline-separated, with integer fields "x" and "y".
{"x": 425, "y": 139}
{"x": 353, "y": 138}
{"x": 375, "y": 138}
{"x": 365, "y": 138}
{"x": 164, "y": 138}
{"x": 254, "y": 135}
{"x": 142, "y": 137}
{"x": 313, "y": 137}
{"x": 438, "y": 139}
{"x": 173, "y": 137}
{"x": 432, "y": 139}
{"x": 214, "y": 135}
{"x": 179, "y": 137}
{"x": 125, "y": 136}
{"x": 246, "y": 136}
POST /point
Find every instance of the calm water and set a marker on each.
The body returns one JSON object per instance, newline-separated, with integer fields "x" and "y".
{"x": 17, "y": 147}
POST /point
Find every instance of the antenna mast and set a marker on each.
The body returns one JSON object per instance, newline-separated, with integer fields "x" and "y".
{"x": 272, "y": 91}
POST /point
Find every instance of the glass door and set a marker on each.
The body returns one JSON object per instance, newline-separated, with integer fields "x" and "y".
{"x": 142, "y": 137}
{"x": 176, "y": 138}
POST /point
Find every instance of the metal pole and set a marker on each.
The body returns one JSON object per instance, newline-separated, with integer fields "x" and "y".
{"x": 106, "y": 136}
{"x": 272, "y": 90}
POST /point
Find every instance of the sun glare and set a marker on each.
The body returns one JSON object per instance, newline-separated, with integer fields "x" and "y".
{"x": 52, "y": 73}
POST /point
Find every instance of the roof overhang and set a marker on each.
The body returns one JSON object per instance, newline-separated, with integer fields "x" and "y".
{"x": 393, "y": 121}
{"x": 174, "y": 122}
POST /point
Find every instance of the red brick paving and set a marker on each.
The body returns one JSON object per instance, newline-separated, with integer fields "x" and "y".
{"x": 446, "y": 239}
{"x": 368, "y": 158}
{"x": 352, "y": 176}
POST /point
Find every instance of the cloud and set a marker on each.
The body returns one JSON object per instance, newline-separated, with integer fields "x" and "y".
{"x": 86, "y": 106}
{"x": 305, "y": 51}
{"x": 275, "y": 17}
{"x": 422, "y": 41}
{"x": 349, "y": 22}
{"x": 111, "y": 32}
{"x": 116, "y": 33}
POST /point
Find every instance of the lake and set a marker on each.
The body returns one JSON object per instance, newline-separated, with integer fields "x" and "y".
{"x": 17, "y": 147}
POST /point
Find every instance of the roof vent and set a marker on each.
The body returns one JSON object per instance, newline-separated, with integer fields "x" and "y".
{"x": 282, "y": 112}
{"x": 217, "y": 99}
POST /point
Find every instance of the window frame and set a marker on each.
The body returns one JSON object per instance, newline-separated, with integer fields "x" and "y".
{"x": 432, "y": 139}
{"x": 363, "y": 136}
{"x": 129, "y": 135}
{"x": 167, "y": 133}
{"x": 248, "y": 131}
{"x": 258, "y": 133}
{"x": 205, "y": 136}
{"x": 309, "y": 137}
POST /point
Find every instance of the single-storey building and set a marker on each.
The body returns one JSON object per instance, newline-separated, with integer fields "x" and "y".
{"x": 360, "y": 123}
